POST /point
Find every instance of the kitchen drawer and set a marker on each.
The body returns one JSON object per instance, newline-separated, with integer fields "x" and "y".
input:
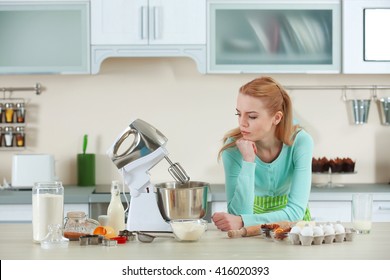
{"x": 381, "y": 211}
{"x": 330, "y": 211}
{"x": 22, "y": 213}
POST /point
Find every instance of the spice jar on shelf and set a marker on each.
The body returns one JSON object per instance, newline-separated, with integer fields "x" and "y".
{"x": 8, "y": 135}
{"x": 20, "y": 137}
{"x": 1, "y": 112}
{"x": 20, "y": 113}
{"x": 9, "y": 112}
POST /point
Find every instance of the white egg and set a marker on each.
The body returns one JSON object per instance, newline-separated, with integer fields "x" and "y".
{"x": 339, "y": 228}
{"x": 295, "y": 229}
{"x": 328, "y": 229}
{"x": 318, "y": 231}
{"x": 307, "y": 231}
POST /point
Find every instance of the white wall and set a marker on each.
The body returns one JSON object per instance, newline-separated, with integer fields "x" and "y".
{"x": 192, "y": 110}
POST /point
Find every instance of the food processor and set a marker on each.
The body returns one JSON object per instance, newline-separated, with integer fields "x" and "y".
{"x": 150, "y": 204}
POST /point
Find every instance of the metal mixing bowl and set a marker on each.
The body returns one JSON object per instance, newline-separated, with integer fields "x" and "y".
{"x": 176, "y": 200}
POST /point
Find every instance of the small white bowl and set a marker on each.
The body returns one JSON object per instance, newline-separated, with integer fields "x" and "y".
{"x": 188, "y": 229}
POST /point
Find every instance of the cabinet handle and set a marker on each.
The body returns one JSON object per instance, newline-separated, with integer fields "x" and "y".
{"x": 384, "y": 208}
{"x": 156, "y": 23}
{"x": 144, "y": 22}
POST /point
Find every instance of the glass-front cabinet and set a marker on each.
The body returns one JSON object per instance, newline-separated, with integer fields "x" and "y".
{"x": 274, "y": 36}
{"x": 44, "y": 37}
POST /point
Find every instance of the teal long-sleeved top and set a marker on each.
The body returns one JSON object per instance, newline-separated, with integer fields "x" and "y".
{"x": 289, "y": 174}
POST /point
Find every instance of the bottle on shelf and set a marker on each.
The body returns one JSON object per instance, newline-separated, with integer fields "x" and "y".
{"x": 9, "y": 112}
{"x": 19, "y": 137}
{"x": 116, "y": 211}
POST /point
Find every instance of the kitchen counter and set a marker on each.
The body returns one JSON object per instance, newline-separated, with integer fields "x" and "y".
{"x": 16, "y": 244}
{"x": 74, "y": 194}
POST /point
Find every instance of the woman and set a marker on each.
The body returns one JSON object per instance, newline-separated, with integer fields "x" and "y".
{"x": 267, "y": 160}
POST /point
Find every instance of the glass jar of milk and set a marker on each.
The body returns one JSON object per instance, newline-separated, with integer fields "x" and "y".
{"x": 48, "y": 208}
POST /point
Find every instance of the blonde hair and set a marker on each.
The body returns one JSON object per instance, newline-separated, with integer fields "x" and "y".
{"x": 275, "y": 99}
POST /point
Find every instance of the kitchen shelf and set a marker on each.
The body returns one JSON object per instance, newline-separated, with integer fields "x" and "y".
{"x": 330, "y": 183}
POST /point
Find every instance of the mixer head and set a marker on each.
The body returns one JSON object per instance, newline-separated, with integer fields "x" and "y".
{"x": 146, "y": 140}
{"x": 144, "y": 151}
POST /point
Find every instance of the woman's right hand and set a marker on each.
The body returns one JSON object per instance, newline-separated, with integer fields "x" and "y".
{"x": 247, "y": 149}
{"x": 225, "y": 221}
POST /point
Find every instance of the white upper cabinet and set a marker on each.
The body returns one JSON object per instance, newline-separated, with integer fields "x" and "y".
{"x": 274, "y": 36}
{"x": 148, "y": 28}
{"x": 155, "y": 22}
{"x": 366, "y": 39}
{"x": 44, "y": 37}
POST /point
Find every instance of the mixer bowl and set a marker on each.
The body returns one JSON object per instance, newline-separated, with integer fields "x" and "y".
{"x": 177, "y": 200}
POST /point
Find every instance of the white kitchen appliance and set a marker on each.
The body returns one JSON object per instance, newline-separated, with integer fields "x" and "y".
{"x": 28, "y": 169}
{"x": 146, "y": 150}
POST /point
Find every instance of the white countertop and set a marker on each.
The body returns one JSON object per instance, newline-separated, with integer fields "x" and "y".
{"x": 16, "y": 244}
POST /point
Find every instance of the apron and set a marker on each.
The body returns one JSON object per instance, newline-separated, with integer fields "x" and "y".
{"x": 266, "y": 204}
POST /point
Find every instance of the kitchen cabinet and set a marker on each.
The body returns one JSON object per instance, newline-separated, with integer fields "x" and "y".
{"x": 327, "y": 204}
{"x": 366, "y": 44}
{"x": 381, "y": 211}
{"x": 330, "y": 211}
{"x": 44, "y": 37}
{"x": 23, "y": 212}
{"x": 273, "y": 36}
{"x": 131, "y": 28}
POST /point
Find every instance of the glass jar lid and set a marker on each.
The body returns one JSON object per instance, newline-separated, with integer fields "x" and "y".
{"x": 76, "y": 215}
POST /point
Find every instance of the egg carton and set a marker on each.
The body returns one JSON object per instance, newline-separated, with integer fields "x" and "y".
{"x": 299, "y": 239}
{"x": 312, "y": 234}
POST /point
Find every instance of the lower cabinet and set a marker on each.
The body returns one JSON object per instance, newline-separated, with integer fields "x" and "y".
{"x": 22, "y": 213}
{"x": 381, "y": 211}
{"x": 330, "y": 211}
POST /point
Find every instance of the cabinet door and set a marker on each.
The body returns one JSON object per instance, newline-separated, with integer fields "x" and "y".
{"x": 119, "y": 22}
{"x": 274, "y": 36}
{"x": 366, "y": 40}
{"x": 330, "y": 211}
{"x": 142, "y": 22}
{"x": 177, "y": 22}
{"x": 44, "y": 37}
{"x": 381, "y": 211}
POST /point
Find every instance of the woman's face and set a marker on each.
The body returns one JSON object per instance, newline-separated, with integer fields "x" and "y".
{"x": 256, "y": 124}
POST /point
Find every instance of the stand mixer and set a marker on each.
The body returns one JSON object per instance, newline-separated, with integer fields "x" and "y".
{"x": 146, "y": 150}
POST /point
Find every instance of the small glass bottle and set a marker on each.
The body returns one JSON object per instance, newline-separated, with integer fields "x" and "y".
{"x": 9, "y": 112}
{"x": 20, "y": 113}
{"x": 20, "y": 137}
{"x": 8, "y": 135}
{"x": 77, "y": 224}
{"x": 116, "y": 211}
{"x": 1, "y": 136}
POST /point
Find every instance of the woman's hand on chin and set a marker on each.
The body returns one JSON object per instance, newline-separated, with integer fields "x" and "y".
{"x": 225, "y": 221}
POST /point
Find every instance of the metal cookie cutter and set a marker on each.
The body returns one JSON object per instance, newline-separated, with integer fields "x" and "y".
{"x": 90, "y": 239}
{"x": 109, "y": 242}
{"x": 129, "y": 234}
